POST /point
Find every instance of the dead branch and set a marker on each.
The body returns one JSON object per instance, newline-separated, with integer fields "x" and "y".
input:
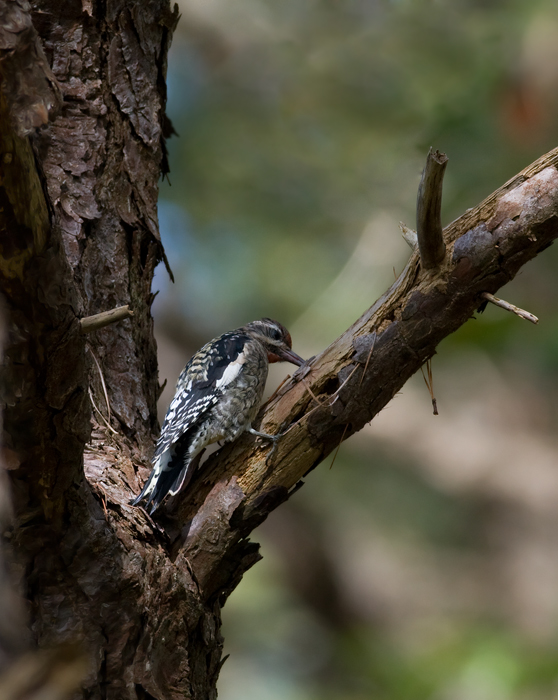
{"x": 105, "y": 318}
{"x": 429, "y": 202}
{"x": 485, "y": 249}
{"x": 527, "y": 315}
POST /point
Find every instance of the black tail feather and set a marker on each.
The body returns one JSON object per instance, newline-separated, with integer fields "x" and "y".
{"x": 184, "y": 477}
{"x": 175, "y": 476}
{"x": 163, "y": 486}
{"x": 137, "y": 499}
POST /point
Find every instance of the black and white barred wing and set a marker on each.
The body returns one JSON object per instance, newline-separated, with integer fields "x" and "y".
{"x": 199, "y": 388}
{"x": 189, "y": 405}
{"x": 170, "y": 462}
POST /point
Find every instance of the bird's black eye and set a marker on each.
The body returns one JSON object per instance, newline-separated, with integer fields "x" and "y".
{"x": 276, "y": 334}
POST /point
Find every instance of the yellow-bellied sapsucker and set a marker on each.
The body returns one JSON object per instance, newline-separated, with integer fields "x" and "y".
{"x": 217, "y": 397}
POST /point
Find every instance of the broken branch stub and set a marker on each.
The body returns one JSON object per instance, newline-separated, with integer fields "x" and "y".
{"x": 105, "y": 318}
{"x": 429, "y": 202}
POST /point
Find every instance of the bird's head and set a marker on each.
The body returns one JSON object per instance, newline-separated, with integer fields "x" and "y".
{"x": 275, "y": 338}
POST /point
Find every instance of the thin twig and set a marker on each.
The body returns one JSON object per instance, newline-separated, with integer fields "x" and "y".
{"x": 93, "y": 323}
{"x": 335, "y": 396}
{"x": 328, "y": 403}
{"x": 331, "y": 400}
{"x": 102, "y": 381}
{"x": 307, "y": 387}
{"x": 109, "y": 426}
{"x": 368, "y": 359}
{"x": 305, "y": 415}
{"x": 510, "y": 307}
{"x": 338, "y": 446}
{"x": 430, "y": 385}
{"x": 429, "y": 201}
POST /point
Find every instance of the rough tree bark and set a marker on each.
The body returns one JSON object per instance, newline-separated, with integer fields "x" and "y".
{"x": 79, "y": 236}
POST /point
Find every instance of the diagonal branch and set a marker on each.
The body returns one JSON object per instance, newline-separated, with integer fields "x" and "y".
{"x": 485, "y": 249}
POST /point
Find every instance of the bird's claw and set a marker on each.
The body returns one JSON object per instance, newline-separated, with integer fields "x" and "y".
{"x": 273, "y": 449}
{"x": 274, "y": 439}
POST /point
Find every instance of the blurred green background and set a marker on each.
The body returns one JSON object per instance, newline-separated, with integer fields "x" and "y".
{"x": 424, "y": 564}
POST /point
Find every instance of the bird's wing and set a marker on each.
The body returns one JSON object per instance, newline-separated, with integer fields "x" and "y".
{"x": 200, "y": 386}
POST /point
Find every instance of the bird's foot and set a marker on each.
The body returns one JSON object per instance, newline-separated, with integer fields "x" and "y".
{"x": 257, "y": 433}
{"x": 274, "y": 439}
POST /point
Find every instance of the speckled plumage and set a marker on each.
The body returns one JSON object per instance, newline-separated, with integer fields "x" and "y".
{"x": 217, "y": 397}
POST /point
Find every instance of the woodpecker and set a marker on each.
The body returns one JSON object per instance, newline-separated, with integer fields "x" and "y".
{"x": 217, "y": 397}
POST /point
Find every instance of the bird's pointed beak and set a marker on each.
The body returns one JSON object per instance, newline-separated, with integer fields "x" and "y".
{"x": 290, "y": 356}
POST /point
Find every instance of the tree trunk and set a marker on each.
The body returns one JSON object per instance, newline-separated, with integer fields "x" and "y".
{"x": 79, "y": 236}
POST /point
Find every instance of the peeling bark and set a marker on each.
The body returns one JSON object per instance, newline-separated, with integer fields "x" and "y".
{"x": 79, "y": 236}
